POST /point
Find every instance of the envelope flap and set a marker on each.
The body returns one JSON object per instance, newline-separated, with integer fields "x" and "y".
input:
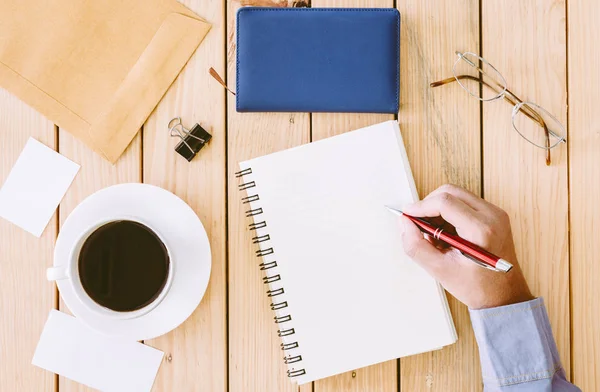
{"x": 148, "y": 80}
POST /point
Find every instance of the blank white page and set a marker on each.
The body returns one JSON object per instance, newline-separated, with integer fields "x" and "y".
{"x": 354, "y": 297}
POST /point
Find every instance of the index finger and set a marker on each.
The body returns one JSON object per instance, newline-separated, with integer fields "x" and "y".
{"x": 452, "y": 209}
{"x": 471, "y": 199}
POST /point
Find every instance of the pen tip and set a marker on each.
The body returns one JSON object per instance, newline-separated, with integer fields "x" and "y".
{"x": 394, "y": 210}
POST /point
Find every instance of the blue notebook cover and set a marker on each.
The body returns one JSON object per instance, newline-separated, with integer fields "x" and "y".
{"x": 318, "y": 60}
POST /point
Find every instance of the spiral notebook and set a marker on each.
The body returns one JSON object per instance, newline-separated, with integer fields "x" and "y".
{"x": 344, "y": 293}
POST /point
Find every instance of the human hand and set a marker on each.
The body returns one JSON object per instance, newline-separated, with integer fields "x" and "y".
{"x": 479, "y": 222}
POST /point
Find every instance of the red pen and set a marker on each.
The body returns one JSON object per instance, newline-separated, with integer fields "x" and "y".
{"x": 468, "y": 249}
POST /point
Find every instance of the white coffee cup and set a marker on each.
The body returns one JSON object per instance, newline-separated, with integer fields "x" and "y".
{"x": 69, "y": 272}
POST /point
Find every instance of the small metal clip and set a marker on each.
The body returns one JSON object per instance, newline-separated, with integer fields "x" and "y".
{"x": 192, "y": 140}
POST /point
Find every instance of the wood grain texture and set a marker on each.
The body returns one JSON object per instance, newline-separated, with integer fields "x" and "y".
{"x": 255, "y": 357}
{"x": 441, "y": 131}
{"x": 26, "y": 297}
{"x": 96, "y": 173}
{"x": 306, "y": 388}
{"x": 196, "y": 352}
{"x": 584, "y": 174}
{"x": 380, "y": 377}
{"x": 525, "y": 41}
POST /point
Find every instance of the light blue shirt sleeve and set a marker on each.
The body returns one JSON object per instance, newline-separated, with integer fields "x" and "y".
{"x": 517, "y": 349}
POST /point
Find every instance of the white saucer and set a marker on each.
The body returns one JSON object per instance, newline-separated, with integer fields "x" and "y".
{"x": 186, "y": 239}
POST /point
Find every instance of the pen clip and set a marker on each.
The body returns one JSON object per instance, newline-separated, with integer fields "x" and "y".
{"x": 479, "y": 263}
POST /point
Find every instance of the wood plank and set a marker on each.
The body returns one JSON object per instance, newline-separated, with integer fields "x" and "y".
{"x": 95, "y": 174}
{"x": 441, "y": 130}
{"x": 255, "y": 358}
{"x": 306, "y": 387}
{"x": 196, "y": 352}
{"x": 381, "y": 377}
{"x": 525, "y": 41}
{"x": 26, "y": 296}
{"x": 584, "y": 174}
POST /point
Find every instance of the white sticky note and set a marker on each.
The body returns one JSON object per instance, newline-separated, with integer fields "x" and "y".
{"x": 71, "y": 349}
{"x": 35, "y": 187}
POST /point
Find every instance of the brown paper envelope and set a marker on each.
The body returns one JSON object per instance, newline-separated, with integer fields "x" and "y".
{"x": 96, "y": 68}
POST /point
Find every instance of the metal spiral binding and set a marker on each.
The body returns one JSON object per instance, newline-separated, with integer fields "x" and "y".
{"x": 261, "y": 238}
{"x": 256, "y": 226}
{"x": 271, "y": 279}
{"x": 266, "y": 266}
{"x": 264, "y": 252}
{"x": 292, "y": 359}
{"x": 285, "y": 332}
{"x": 271, "y": 276}
{"x": 279, "y": 305}
{"x": 249, "y": 199}
{"x": 276, "y": 292}
{"x": 289, "y": 346}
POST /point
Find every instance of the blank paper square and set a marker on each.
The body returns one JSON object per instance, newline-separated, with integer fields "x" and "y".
{"x": 35, "y": 187}
{"x": 71, "y": 349}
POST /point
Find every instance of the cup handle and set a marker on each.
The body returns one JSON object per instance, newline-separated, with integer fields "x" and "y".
{"x": 57, "y": 273}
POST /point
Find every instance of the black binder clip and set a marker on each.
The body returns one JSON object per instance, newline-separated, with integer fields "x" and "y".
{"x": 192, "y": 140}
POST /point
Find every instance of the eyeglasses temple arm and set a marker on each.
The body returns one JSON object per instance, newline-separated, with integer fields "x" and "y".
{"x": 442, "y": 82}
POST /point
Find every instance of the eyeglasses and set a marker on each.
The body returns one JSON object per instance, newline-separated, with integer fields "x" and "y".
{"x": 482, "y": 81}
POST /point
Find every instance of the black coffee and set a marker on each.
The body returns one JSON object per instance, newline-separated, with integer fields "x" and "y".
{"x": 123, "y": 266}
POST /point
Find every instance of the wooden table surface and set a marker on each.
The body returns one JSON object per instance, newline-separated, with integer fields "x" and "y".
{"x": 547, "y": 51}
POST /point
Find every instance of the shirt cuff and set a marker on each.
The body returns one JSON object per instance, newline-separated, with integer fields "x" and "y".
{"x": 516, "y": 344}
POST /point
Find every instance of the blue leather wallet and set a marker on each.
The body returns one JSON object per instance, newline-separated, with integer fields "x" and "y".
{"x": 318, "y": 60}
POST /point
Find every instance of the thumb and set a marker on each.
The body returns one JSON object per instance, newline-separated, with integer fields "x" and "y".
{"x": 421, "y": 250}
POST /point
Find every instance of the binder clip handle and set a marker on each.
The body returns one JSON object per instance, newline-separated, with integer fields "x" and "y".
{"x": 173, "y": 124}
